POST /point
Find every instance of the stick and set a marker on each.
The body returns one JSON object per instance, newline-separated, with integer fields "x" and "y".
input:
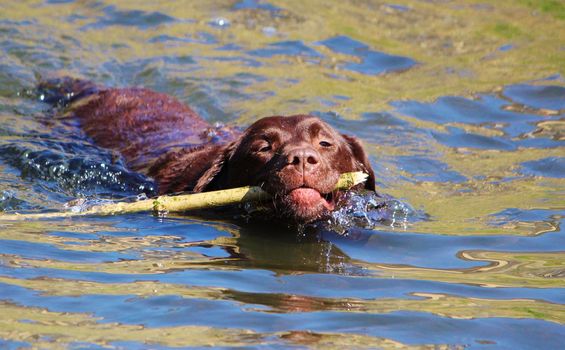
{"x": 182, "y": 202}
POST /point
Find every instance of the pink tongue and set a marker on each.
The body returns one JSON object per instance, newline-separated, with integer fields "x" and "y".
{"x": 308, "y": 197}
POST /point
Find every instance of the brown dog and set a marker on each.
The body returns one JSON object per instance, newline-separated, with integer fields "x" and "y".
{"x": 297, "y": 159}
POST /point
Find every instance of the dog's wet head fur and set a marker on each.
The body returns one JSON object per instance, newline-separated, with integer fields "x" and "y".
{"x": 297, "y": 159}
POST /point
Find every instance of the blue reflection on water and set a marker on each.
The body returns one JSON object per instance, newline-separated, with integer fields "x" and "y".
{"x": 167, "y": 311}
{"x": 546, "y": 167}
{"x": 426, "y": 169}
{"x": 289, "y": 48}
{"x": 13, "y": 345}
{"x": 537, "y": 96}
{"x": 47, "y": 251}
{"x": 372, "y": 62}
{"x": 137, "y": 18}
{"x": 255, "y": 5}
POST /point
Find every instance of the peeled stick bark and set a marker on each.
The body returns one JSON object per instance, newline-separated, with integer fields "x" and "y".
{"x": 182, "y": 202}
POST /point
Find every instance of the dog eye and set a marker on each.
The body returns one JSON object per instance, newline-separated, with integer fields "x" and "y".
{"x": 265, "y": 147}
{"x": 325, "y": 144}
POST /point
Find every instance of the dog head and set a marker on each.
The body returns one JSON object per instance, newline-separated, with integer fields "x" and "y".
{"x": 297, "y": 159}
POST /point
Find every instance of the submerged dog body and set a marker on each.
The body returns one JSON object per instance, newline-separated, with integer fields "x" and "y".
{"x": 297, "y": 159}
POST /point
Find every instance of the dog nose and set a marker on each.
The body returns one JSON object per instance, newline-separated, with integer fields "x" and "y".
{"x": 304, "y": 159}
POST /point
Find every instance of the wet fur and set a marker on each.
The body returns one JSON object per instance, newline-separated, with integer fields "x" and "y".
{"x": 165, "y": 139}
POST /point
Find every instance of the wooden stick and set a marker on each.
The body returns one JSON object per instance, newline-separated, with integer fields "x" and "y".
{"x": 182, "y": 202}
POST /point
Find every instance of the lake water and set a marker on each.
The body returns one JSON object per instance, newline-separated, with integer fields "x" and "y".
{"x": 460, "y": 104}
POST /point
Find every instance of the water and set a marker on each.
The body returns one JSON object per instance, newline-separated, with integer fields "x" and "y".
{"x": 461, "y": 107}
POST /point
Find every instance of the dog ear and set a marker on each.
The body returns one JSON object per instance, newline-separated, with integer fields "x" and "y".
{"x": 216, "y": 177}
{"x": 361, "y": 160}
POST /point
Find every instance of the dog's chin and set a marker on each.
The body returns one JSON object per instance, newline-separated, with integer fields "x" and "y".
{"x": 305, "y": 205}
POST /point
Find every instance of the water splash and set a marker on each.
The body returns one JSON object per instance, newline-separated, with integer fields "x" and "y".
{"x": 75, "y": 176}
{"x": 9, "y": 201}
{"x": 81, "y": 205}
{"x": 371, "y": 210}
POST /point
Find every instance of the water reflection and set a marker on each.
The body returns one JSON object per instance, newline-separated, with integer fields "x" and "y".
{"x": 372, "y": 62}
{"x": 461, "y": 108}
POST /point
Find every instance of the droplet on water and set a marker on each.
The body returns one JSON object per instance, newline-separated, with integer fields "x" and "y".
{"x": 220, "y": 22}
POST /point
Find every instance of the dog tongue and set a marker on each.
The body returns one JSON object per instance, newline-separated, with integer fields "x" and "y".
{"x": 308, "y": 197}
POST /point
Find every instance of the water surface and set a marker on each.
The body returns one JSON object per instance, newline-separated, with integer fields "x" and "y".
{"x": 460, "y": 104}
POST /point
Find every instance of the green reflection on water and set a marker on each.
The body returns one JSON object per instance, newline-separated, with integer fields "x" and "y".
{"x": 457, "y": 47}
